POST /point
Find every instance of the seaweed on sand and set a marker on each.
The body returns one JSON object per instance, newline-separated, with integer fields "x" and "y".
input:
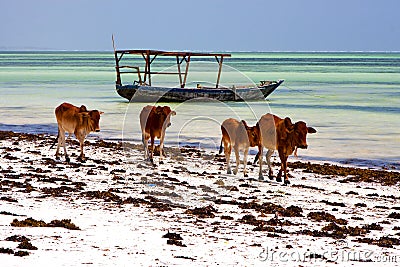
{"x": 30, "y": 222}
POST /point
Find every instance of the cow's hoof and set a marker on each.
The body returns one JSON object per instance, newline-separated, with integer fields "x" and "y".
{"x": 152, "y": 162}
{"x": 271, "y": 177}
{"x": 67, "y": 159}
{"x": 261, "y": 177}
{"x": 286, "y": 182}
{"x": 235, "y": 172}
{"x": 278, "y": 179}
{"x": 228, "y": 172}
{"x": 161, "y": 162}
{"x": 246, "y": 175}
{"x": 57, "y": 158}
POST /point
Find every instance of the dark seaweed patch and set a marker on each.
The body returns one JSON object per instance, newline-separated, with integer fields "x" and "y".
{"x": 17, "y": 238}
{"x": 202, "y": 212}
{"x": 21, "y": 253}
{"x": 170, "y": 235}
{"x": 267, "y": 207}
{"x": 394, "y": 215}
{"x": 6, "y": 251}
{"x": 386, "y": 241}
{"x": 9, "y": 199}
{"x": 336, "y": 204}
{"x": 105, "y": 195}
{"x": 373, "y": 226}
{"x": 325, "y": 216}
{"x": 30, "y": 222}
{"x": 58, "y": 191}
{"x": 292, "y": 211}
{"x": 336, "y": 231}
{"x": 174, "y": 239}
{"x": 27, "y": 245}
{"x": 251, "y": 219}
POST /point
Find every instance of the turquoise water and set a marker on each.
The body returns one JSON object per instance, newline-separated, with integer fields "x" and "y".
{"x": 352, "y": 99}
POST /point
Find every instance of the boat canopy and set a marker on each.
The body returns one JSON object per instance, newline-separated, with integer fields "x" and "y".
{"x": 150, "y": 55}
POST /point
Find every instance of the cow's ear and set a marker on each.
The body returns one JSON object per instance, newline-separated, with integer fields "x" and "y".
{"x": 288, "y": 124}
{"x": 101, "y": 112}
{"x": 245, "y": 124}
{"x": 83, "y": 108}
{"x": 311, "y": 130}
{"x": 173, "y": 113}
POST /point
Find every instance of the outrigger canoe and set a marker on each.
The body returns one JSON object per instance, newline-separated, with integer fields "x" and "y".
{"x": 143, "y": 90}
{"x": 137, "y": 92}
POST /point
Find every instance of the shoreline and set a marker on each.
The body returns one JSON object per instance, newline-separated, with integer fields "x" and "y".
{"x": 362, "y": 163}
{"x": 187, "y": 210}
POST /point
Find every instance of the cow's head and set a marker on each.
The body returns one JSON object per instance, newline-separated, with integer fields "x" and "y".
{"x": 90, "y": 120}
{"x": 165, "y": 113}
{"x": 253, "y": 133}
{"x": 300, "y": 131}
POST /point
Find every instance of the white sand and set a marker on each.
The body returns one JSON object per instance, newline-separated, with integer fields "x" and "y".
{"x": 115, "y": 234}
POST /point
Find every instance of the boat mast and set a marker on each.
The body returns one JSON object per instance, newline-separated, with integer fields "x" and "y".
{"x": 186, "y": 71}
{"x": 219, "y": 69}
{"x": 118, "y": 81}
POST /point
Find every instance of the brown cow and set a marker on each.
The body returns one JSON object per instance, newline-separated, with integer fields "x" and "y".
{"x": 284, "y": 136}
{"x": 79, "y": 121}
{"x": 153, "y": 122}
{"x": 240, "y": 136}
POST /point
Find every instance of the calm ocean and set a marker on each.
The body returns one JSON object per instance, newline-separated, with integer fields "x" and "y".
{"x": 352, "y": 99}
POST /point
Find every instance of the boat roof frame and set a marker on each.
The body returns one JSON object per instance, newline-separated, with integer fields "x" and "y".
{"x": 150, "y": 55}
{"x": 170, "y": 53}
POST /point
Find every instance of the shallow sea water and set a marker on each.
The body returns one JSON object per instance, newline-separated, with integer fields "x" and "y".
{"x": 352, "y": 99}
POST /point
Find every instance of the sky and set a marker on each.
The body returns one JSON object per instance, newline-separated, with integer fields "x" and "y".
{"x": 204, "y": 25}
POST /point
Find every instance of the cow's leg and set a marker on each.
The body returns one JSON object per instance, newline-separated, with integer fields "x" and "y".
{"x": 279, "y": 176}
{"x": 81, "y": 138}
{"x": 145, "y": 145}
{"x": 246, "y": 151}
{"x": 152, "y": 149}
{"x": 236, "y": 149}
{"x": 282, "y": 158}
{"x": 64, "y": 144}
{"x": 162, "y": 146}
{"x": 228, "y": 150}
{"x": 82, "y": 142}
{"x": 286, "y": 179}
{"x": 59, "y": 140}
{"x": 268, "y": 157}
{"x": 260, "y": 153}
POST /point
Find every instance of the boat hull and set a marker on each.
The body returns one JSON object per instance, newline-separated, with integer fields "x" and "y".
{"x": 138, "y": 93}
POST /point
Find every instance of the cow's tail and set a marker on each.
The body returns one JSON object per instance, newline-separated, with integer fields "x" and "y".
{"x": 55, "y": 140}
{"x": 221, "y": 148}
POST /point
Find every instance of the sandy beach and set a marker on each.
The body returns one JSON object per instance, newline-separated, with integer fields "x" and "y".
{"x": 116, "y": 209}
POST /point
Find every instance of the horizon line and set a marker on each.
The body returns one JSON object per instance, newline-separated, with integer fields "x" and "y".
{"x": 227, "y": 51}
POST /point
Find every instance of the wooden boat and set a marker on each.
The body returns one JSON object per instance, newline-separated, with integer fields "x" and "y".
{"x": 168, "y": 94}
{"x": 143, "y": 90}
